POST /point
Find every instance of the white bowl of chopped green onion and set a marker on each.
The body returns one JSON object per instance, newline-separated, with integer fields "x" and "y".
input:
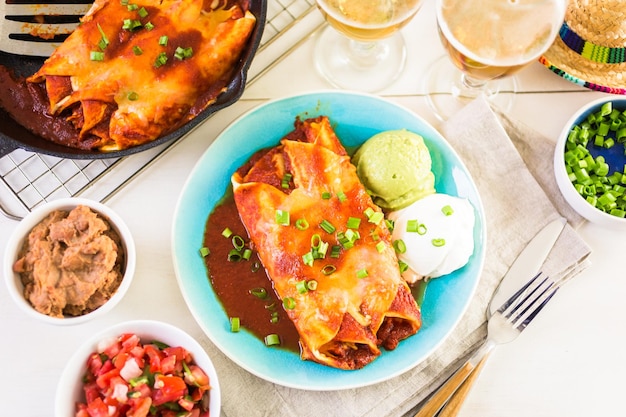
{"x": 590, "y": 161}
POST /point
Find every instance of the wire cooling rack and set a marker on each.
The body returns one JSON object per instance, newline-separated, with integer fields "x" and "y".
{"x": 28, "y": 179}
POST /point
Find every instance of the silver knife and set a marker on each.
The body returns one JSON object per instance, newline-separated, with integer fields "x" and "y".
{"x": 528, "y": 262}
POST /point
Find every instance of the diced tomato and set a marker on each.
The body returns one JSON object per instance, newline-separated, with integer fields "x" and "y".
{"x": 140, "y": 407}
{"x": 129, "y": 341}
{"x": 106, "y": 367}
{"x": 168, "y": 365}
{"x": 168, "y": 388}
{"x": 120, "y": 360}
{"x": 91, "y": 392}
{"x": 104, "y": 380}
{"x": 186, "y": 403}
{"x": 197, "y": 377}
{"x": 98, "y": 408}
{"x": 94, "y": 363}
{"x": 155, "y": 356}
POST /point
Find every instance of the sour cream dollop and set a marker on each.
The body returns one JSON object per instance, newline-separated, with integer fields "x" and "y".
{"x": 444, "y": 240}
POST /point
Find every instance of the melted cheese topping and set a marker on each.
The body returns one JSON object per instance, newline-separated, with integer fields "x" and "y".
{"x": 345, "y": 311}
{"x": 137, "y": 95}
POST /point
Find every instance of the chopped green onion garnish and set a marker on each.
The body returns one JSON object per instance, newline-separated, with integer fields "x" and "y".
{"x": 282, "y": 217}
{"x": 184, "y": 53}
{"x": 142, "y": 12}
{"x": 131, "y": 24}
{"x": 131, "y": 7}
{"x": 238, "y": 242}
{"x": 227, "y": 233}
{"x": 286, "y": 179}
{"x": 361, "y": 273}
{"x": 247, "y": 253}
{"x": 272, "y": 340}
{"x": 301, "y": 287}
{"x": 399, "y": 246}
{"x": 255, "y": 266}
{"x": 342, "y": 196}
{"x": 289, "y": 303}
{"x": 149, "y": 26}
{"x": 414, "y": 226}
{"x": 160, "y": 60}
{"x": 259, "y": 292}
{"x": 234, "y": 324}
{"x": 438, "y": 242}
{"x": 327, "y": 226}
{"x": 96, "y": 56}
{"x": 447, "y": 210}
{"x": 302, "y": 224}
{"x": 353, "y": 223}
{"x": 403, "y": 266}
{"x": 133, "y": 96}
{"x": 326, "y": 195}
{"x": 234, "y": 255}
{"x": 163, "y": 40}
{"x": 308, "y": 258}
{"x": 311, "y": 285}
{"x": 204, "y": 251}
{"x": 137, "y": 50}
{"x": 380, "y": 247}
{"x": 328, "y": 269}
{"x": 335, "y": 251}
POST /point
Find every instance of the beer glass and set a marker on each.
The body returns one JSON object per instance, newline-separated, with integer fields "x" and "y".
{"x": 487, "y": 41}
{"x": 362, "y": 48}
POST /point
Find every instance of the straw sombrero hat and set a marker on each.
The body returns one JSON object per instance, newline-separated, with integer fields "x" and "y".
{"x": 590, "y": 48}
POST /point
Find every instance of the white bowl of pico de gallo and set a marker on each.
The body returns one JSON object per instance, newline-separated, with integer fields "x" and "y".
{"x": 139, "y": 368}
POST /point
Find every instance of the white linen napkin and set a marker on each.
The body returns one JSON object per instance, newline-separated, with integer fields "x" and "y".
{"x": 512, "y": 167}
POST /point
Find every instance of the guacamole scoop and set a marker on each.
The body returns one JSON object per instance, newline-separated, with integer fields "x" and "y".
{"x": 395, "y": 168}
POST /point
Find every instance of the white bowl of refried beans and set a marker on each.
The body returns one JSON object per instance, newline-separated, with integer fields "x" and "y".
{"x": 69, "y": 260}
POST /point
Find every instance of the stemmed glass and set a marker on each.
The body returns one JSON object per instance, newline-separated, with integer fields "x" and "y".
{"x": 486, "y": 41}
{"x": 362, "y": 49}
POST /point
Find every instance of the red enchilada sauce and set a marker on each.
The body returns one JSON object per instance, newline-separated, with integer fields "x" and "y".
{"x": 235, "y": 282}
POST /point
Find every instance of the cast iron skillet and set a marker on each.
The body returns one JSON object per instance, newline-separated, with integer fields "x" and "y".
{"x": 13, "y": 135}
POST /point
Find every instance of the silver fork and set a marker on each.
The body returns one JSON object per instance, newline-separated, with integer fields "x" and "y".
{"x": 37, "y": 29}
{"x": 504, "y": 325}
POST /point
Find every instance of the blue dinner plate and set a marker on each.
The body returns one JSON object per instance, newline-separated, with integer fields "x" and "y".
{"x": 355, "y": 117}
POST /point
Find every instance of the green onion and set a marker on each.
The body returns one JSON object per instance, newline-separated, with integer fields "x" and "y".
{"x": 132, "y": 96}
{"x": 238, "y": 242}
{"x": 399, "y": 246}
{"x": 361, "y": 273}
{"x": 160, "y": 60}
{"x": 104, "y": 41}
{"x": 380, "y": 247}
{"x": 302, "y": 224}
{"x": 447, "y": 210}
{"x": 96, "y": 56}
{"x": 234, "y": 324}
{"x": 132, "y": 7}
{"x": 413, "y": 226}
{"x": 341, "y": 196}
{"x": 289, "y": 303}
{"x": 311, "y": 285}
{"x": 234, "y": 255}
{"x": 137, "y": 50}
{"x": 247, "y": 253}
{"x": 326, "y": 195}
{"x": 131, "y": 24}
{"x": 403, "y": 266}
{"x": 163, "y": 40}
{"x": 272, "y": 340}
{"x": 438, "y": 242}
{"x": 149, "y": 26}
{"x": 282, "y": 217}
{"x": 204, "y": 251}
{"x": 335, "y": 251}
{"x": 308, "y": 258}
{"x": 184, "y": 53}
{"x": 286, "y": 179}
{"x": 227, "y": 233}
{"x": 259, "y": 292}
{"x": 255, "y": 266}
{"x": 301, "y": 287}
{"x": 327, "y": 226}
{"x": 142, "y": 12}
{"x": 353, "y": 223}
{"x": 328, "y": 269}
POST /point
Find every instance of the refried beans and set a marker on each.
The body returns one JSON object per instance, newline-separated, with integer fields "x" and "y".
{"x": 71, "y": 263}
